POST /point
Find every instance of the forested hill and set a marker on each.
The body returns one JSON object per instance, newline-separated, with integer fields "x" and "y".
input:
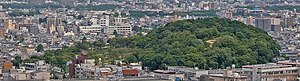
{"x": 186, "y": 43}
{"x": 179, "y": 43}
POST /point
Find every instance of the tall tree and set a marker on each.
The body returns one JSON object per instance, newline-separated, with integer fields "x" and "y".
{"x": 98, "y": 44}
{"x": 40, "y": 48}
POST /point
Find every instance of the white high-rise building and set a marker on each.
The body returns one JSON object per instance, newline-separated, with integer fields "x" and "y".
{"x": 108, "y": 24}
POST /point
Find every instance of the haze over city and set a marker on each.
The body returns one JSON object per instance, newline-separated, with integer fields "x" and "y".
{"x": 149, "y": 40}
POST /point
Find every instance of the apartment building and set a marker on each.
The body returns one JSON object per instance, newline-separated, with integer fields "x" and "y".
{"x": 2, "y": 33}
{"x": 31, "y": 71}
{"x": 86, "y": 69}
{"x": 228, "y": 75}
{"x": 270, "y": 72}
{"x": 249, "y": 20}
{"x": 121, "y": 29}
{"x": 52, "y": 23}
{"x": 268, "y": 24}
{"x": 168, "y": 75}
{"x": 107, "y": 24}
{"x": 78, "y": 60}
{"x": 39, "y": 65}
{"x": 10, "y": 25}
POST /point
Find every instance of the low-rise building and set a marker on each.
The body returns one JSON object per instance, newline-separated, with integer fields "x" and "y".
{"x": 228, "y": 75}
{"x": 189, "y": 72}
{"x": 86, "y": 69}
{"x": 92, "y": 28}
{"x": 121, "y": 29}
{"x": 169, "y": 75}
{"x": 78, "y": 60}
{"x": 270, "y": 72}
{"x": 136, "y": 66}
{"x": 40, "y": 75}
{"x": 105, "y": 71}
{"x": 39, "y": 65}
{"x": 130, "y": 72}
{"x": 2, "y": 33}
{"x": 19, "y": 76}
{"x": 7, "y": 66}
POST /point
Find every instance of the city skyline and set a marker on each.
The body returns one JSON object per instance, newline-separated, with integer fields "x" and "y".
{"x": 157, "y": 40}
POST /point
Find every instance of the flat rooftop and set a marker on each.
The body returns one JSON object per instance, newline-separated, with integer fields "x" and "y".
{"x": 267, "y": 66}
{"x": 165, "y": 71}
{"x": 222, "y": 75}
{"x": 287, "y": 62}
{"x": 142, "y": 79}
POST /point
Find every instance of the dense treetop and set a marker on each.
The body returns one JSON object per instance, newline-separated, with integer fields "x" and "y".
{"x": 185, "y": 43}
{"x": 181, "y": 43}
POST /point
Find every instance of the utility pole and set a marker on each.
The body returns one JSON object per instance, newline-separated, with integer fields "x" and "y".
{"x": 298, "y": 69}
{"x": 165, "y": 66}
{"x": 233, "y": 69}
{"x": 194, "y": 65}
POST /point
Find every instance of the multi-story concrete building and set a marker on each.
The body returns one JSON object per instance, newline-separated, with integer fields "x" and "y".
{"x": 225, "y": 14}
{"x": 119, "y": 24}
{"x": 168, "y": 75}
{"x": 104, "y": 20}
{"x": 40, "y": 75}
{"x": 263, "y": 23}
{"x": 287, "y": 21}
{"x": 2, "y": 33}
{"x": 121, "y": 29}
{"x": 39, "y": 65}
{"x": 270, "y": 72}
{"x": 60, "y": 30}
{"x": 92, "y": 28}
{"x": 228, "y": 75}
{"x": 268, "y": 24}
{"x": 275, "y": 25}
{"x": 67, "y": 2}
{"x": 52, "y": 24}
{"x": 32, "y": 28}
{"x": 18, "y": 74}
{"x": 10, "y": 25}
{"x": 107, "y": 25}
{"x": 78, "y": 60}
{"x": 34, "y": 71}
{"x": 36, "y": 1}
{"x": 98, "y": 23}
{"x": 249, "y": 20}
{"x": 207, "y": 5}
{"x": 85, "y": 70}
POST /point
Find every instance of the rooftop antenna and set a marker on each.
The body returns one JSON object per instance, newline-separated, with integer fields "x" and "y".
{"x": 297, "y": 27}
{"x": 298, "y": 69}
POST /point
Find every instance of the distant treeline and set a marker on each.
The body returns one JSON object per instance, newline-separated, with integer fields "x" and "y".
{"x": 289, "y": 7}
{"x": 160, "y": 13}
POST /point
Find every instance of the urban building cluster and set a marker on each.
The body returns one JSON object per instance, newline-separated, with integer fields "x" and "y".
{"x": 29, "y": 71}
{"x": 82, "y": 68}
{"x": 73, "y": 20}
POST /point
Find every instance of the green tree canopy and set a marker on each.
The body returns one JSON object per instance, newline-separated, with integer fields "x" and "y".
{"x": 204, "y": 43}
{"x": 185, "y": 43}
{"x": 40, "y": 48}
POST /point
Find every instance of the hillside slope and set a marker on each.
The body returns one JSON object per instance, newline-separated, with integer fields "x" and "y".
{"x": 208, "y": 43}
{"x": 204, "y": 43}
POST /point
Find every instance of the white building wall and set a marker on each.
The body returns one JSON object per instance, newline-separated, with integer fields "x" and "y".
{"x": 85, "y": 29}
{"x": 123, "y": 29}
